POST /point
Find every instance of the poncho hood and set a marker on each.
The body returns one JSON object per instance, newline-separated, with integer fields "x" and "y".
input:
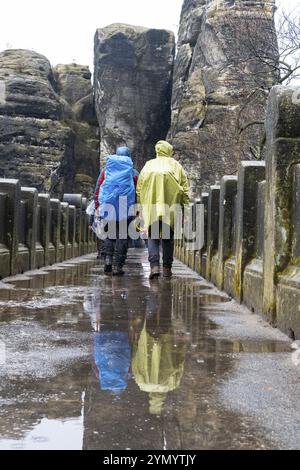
{"x": 123, "y": 152}
{"x": 164, "y": 149}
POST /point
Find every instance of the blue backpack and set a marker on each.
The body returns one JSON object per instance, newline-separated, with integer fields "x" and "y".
{"x": 117, "y": 189}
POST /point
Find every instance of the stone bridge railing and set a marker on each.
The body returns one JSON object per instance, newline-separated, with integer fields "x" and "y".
{"x": 252, "y": 223}
{"x": 37, "y": 231}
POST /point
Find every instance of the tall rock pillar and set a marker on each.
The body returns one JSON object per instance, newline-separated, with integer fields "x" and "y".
{"x": 221, "y": 84}
{"x": 133, "y": 82}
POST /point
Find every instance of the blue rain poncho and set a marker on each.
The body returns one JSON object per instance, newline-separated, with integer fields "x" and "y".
{"x": 117, "y": 193}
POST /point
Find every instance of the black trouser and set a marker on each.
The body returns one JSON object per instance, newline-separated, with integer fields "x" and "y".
{"x": 116, "y": 247}
{"x": 161, "y": 232}
{"x": 100, "y": 247}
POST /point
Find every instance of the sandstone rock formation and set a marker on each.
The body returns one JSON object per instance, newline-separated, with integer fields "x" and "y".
{"x": 220, "y": 85}
{"x": 33, "y": 141}
{"x": 37, "y": 139}
{"x": 133, "y": 75}
{"x": 73, "y": 83}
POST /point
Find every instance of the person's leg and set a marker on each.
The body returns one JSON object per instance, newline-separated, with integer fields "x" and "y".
{"x": 120, "y": 255}
{"x": 109, "y": 248}
{"x": 153, "y": 250}
{"x": 102, "y": 252}
{"x": 100, "y": 248}
{"x": 121, "y": 247}
{"x": 168, "y": 250}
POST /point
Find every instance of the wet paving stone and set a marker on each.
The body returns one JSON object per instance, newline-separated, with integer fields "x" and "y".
{"x": 95, "y": 362}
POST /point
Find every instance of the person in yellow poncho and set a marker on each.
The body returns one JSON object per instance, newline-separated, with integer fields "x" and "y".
{"x": 162, "y": 185}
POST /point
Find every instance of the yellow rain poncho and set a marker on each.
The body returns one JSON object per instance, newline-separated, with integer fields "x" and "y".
{"x": 162, "y": 184}
{"x": 158, "y": 366}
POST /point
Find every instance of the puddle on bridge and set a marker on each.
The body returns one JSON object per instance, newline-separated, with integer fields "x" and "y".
{"x": 92, "y": 362}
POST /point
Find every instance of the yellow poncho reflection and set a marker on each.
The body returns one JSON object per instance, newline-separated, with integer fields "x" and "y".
{"x": 158, "y": 366}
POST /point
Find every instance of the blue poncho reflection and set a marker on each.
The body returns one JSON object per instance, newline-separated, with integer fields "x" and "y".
{"x": 112, "y": 357}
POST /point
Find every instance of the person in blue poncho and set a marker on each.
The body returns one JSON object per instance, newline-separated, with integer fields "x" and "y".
{"x": 112, "y": 358}
{"x": 115, "y": 196}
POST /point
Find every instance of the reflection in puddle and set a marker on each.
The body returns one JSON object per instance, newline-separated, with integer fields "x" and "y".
{"x": 105, "y": 363}
{"x": 213, "y": 299}
{"x": 50, "y": 434}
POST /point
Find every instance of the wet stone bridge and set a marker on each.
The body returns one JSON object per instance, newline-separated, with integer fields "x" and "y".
{"x": 193, "y": 362}
{"x": 95, "y": 362}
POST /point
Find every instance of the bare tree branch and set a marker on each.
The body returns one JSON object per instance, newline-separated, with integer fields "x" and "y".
{"x": 249, "y": 124}
{"x": 260, "y": 63}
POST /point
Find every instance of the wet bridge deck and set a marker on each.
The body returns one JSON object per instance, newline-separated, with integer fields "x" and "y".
{"x": 92, "y": 362}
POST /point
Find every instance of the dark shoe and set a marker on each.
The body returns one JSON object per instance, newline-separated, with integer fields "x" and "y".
{"x": 108, "y": 269}
{"x": 167, "y": 272}
{"x": 118, "y": 272}
{"x": 155, "y": 272}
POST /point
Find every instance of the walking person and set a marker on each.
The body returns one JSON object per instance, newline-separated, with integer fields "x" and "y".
{"x": 161, "y": 185}
{"x": 100, "y": 244}
{"x": 114, "y": 196}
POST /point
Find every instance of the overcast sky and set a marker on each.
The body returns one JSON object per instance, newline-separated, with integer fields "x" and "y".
{"x": 63, "y": 30}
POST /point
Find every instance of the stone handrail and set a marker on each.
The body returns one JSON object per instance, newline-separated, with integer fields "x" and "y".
{"x": 252, "y": 223}
{"x": 38, "y": 231}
